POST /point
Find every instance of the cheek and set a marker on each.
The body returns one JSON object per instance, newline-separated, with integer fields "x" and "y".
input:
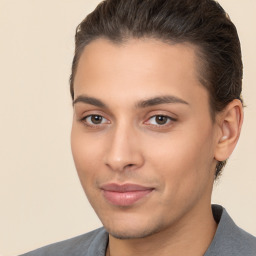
{"x": 182, "y": 160}
{"x": 175, "y": 152}
{"x": 86, "y": 153}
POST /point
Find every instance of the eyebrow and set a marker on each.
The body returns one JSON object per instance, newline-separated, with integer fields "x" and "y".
{"x": 89, "y": 100}
{"x": 160, "y": 100}
{"x": 140, "y": 104}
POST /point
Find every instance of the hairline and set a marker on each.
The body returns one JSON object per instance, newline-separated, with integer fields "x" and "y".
{"x": 200, "y": 62}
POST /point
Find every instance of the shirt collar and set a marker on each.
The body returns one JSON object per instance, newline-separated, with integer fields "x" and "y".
{"x": 225, "y": 231}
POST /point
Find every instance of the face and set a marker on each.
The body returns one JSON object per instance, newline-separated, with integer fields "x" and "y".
{"x": 142, "y": 138}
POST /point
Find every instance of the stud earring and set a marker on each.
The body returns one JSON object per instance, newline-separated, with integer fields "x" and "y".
{"x": 224, "y": 138}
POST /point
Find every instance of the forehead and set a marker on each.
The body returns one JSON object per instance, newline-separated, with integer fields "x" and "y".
{"x": 137, "y": 57}
{"x": 138, "y": 68}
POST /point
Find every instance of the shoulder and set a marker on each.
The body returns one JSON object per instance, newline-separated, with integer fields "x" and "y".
{"x": 238, "y": 242}
{"x": 93, "y": 241}
{"x": 230, "y": 240}
{"x": 241, "y": 243}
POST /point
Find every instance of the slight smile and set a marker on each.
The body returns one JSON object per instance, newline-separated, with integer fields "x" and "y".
{"x": 124, "y": 194}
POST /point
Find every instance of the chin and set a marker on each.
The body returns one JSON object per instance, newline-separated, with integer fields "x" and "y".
{"x": 125, "y": 235}
{"x": 133, "y": 231}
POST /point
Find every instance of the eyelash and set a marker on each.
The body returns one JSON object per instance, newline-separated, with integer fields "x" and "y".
{"x": 167, "y": 124}
{"x": 91, "y": 125}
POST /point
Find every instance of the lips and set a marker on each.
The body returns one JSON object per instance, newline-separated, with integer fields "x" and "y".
{"x": 126, "y": 194}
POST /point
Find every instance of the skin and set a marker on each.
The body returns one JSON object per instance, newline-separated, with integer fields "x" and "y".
{"x": 176, "y": 157}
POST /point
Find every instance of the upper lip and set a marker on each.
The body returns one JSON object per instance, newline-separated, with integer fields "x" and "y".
{"x": 114, "y": 187}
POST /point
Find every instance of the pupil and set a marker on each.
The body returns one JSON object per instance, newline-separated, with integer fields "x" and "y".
{"x": 161, "y": 119}
{"x": 96, "y": 119}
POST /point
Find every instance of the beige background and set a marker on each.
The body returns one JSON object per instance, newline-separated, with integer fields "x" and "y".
{"x": 41, "y": 200}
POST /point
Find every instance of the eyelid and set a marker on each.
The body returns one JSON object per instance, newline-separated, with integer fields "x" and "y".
{"x": 169, "y": 122}
{"x": 92, "y": 125}
{"x": 106, "y": 119}
{"x": 84, "y": 118}
{"x": 83, "y": 113}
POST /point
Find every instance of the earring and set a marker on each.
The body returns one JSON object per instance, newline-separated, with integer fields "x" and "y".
{"x": 223, "y": 138}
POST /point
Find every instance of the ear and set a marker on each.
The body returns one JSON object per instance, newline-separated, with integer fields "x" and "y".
{"x": 229, "y": 122}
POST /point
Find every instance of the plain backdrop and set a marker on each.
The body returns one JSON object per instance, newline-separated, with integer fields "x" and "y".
{"x": 41, "y": 200}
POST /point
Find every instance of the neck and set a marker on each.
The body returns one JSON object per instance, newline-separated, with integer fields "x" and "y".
{"x": 192, "y": 235}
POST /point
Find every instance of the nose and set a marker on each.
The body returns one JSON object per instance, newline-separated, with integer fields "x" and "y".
{"x": 124, "y": 151}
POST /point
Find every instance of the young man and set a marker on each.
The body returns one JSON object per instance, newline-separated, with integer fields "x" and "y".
{"x": 156, "y": 89}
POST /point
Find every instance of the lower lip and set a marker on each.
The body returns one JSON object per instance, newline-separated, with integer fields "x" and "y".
{"x": 125, "y": 198}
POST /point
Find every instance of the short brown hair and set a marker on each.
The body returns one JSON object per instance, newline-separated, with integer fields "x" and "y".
{"x": 202, "y": 23}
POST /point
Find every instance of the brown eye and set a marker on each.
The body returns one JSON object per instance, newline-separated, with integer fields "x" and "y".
{"x": 95, "y": 120}
{"x": 161, "y": 120}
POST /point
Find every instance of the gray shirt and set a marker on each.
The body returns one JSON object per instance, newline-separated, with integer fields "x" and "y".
{"x": 229, "y": 240}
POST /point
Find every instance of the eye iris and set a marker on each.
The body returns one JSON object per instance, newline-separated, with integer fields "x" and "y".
{"x": 96, "y": 119}
{"x": 161, "y": 119}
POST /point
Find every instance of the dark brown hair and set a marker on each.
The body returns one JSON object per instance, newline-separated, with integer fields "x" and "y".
{"x": 202, "y": 23}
